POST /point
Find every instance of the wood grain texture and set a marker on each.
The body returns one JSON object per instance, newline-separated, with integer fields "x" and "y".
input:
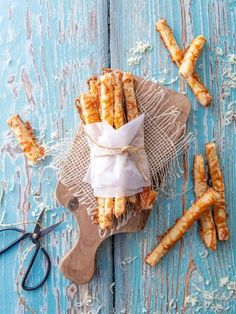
{"x": 48, "y": 49}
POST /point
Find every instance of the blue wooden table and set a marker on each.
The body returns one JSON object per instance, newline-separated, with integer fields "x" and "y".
{"x": 48, "y": 48}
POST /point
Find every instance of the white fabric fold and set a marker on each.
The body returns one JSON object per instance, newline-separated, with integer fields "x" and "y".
{"x": 118, "y": 162}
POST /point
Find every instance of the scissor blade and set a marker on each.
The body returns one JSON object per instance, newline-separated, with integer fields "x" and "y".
{"x": 39, "y": 222}
{"x": 49, "y": 229}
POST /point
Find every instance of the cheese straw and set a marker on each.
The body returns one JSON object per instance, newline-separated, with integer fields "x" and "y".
{"x": 182, "y": 226}
{"x": 119, "y": 120}
{"x": 207, "y": 226}
{"x": 88, "y": 110}
{"x": 218, "y": 185}
{"x": 107, "y": 114}
{"x": 147, "y": 197}
{"x": 25, "y": 136}
{"x": 190, "y": 58}
{"x": 131, "y": 113}
{"x": 177, "y": 55}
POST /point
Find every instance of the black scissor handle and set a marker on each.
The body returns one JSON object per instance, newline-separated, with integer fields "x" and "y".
{"x": 25, "y": 235}
{"x": 28, "y": 270}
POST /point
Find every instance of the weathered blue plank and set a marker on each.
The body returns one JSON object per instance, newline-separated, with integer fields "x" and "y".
{"x": 165, "y": 288}
{"x": 48, "y": 49}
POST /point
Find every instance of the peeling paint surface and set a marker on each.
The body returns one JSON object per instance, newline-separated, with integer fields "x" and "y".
{"x": 48, "y": 49}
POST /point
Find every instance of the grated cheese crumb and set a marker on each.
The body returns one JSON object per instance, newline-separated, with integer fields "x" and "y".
{"x": 224, "y": 281}
{"x": 203, "y": 254}
{"x": 219, "y": 51}
{"x": 232, "y": 58}
{"x": 138, "y": 52}
{"x": 128, "y": 260}
{"x": 191, "y": 299}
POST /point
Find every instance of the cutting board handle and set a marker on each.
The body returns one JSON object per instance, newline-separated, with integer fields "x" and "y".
{"x": 79, "y": 263}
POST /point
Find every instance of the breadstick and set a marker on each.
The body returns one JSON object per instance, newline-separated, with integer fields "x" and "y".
{"x": 119, "y": 120}
{"x": 207, "y": 227}
{"x": 169, "y": 41}
{"x": 87, "y": 107}
{"x": 177, "y": 55}
{"x": 199, "y": 90}
{"x": 89, "y": 110}
{"x": 190, "y": 58}
{"x": 119, "y": 116}
{"x": 131, "y": 112}
{"x": 218, "y": 185}
{"x": 25, "y": 136}
{"x": 107, "y": 98}
{"x": 107, "y": 108}
{"x": 182, "y": 226}
{"x": 130, "y": 99}
{"x": 94, "y": 85}
{"x": 147, "y": 197}
{"x": 79, "y": 109}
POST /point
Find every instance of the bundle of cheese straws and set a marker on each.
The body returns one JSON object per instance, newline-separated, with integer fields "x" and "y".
{"x": 131, "y": 133}
{"x": 122, "y": 175}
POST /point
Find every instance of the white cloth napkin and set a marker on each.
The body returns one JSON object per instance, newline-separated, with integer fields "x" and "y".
{"x": 121, "y": 174}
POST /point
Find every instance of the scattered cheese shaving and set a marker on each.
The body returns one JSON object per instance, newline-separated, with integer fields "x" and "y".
{"x": 219, "y": 51}
{"x": 138, "y": 52}
{"x": 128, "y": 260}
{"x": 112, "y": 288}
{"x": 2, "y": 190}
{"x": 69, "y": 228}
{"x": 224, "y": 281}
{"x": 203, "y": 254}
{"x": 232, "y": 58}
{"x": 191, "y": 299}
{"x": 2, "y": 218}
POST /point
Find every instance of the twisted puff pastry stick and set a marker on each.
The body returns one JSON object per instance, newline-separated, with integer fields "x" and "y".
{"x": 218, "y": 185}
{"x": 107, "y": 109}
{"x": 190, "y": 58}
{"x": 207, "y": 227}
{"x": 88, "y": 110}
{"x": 182, "y": 226}
{"x": 94, "y": 85}
{"x": 119, "y": 121}
{"x": 177, "y": 55}
{"x": 25, "y": 136}
{"x": 147, "y": 197}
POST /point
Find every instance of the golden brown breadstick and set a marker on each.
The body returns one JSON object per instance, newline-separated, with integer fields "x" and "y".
{"x": 218, "y": 185}
{"x": 119, "y": 116}
{"x": 182, "y": 226}
{"x": 199, "y": 90}
{"x": 88, "y": 110}
{"x": 177, "y": 55}
{"x": 94, "y": 85}
{"x": 25, "y": 136}
{"x": 107, "y": 109}
{"x": 79, "y": 109}
{"x": 169, "y": 41}
{"x": 190, "y": 57}
{"x": 119, "y": 120}
{"x": 147, "y": 197}
{"x": 130, "y": 99}
{"x": 207, "y": 227}
{"x": 107, "y": 98}
{"x": 132, "y": 113}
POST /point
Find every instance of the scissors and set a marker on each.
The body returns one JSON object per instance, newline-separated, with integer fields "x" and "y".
{"x": 35, "y": 237}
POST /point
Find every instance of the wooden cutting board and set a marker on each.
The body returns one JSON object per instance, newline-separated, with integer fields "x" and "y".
{"x": 79, "y": 263}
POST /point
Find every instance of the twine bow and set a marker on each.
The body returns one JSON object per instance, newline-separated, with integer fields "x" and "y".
{"x": 113, "y": 151}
